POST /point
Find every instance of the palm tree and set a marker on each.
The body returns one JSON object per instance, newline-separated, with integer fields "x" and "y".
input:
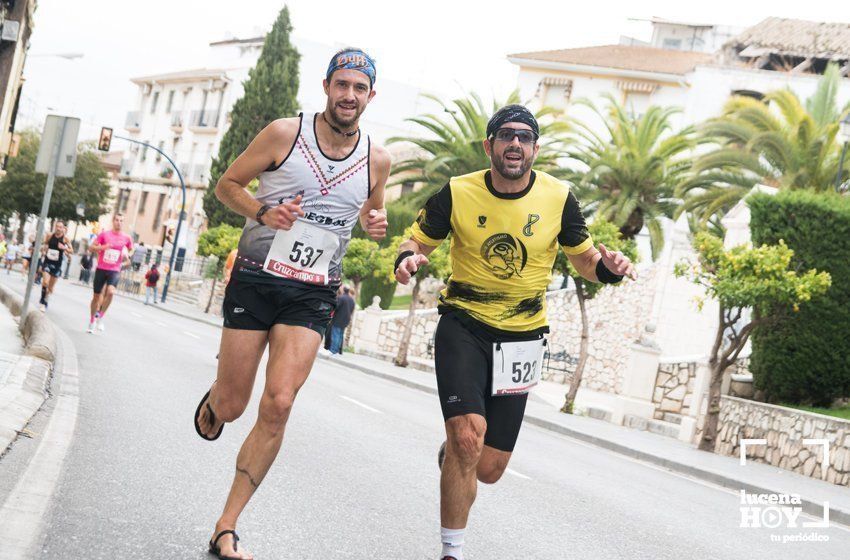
{"x": 629, "y": 177}
{"x": 779, "y": 141}
{"x": 453, "y": 144}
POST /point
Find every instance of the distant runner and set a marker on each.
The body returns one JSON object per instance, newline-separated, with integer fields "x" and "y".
{"x": 56, "y": 248}
{"x": 113, "y": 247}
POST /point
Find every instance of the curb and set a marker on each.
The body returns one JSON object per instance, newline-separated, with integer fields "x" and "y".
{"x": 11, "y": 300}
{"x": 24, "y": 392}
{"x": 812, "y": 508}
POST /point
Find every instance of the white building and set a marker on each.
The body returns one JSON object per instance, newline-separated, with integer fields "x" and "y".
{"x": 684, "y": 36}
{"x": 696, "y": 68}
{"x": 186, "y": 114}
{"x": 675, "y": 72}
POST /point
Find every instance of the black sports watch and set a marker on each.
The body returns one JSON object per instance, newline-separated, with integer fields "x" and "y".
{"x": 263, "y": 209}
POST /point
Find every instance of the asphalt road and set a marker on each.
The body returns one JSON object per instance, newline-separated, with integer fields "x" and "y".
{"x": 357, "y": 476}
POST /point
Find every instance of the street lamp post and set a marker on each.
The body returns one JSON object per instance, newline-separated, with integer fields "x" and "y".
{"x": 179, "y": 219}
{"x": 844, "y": 132}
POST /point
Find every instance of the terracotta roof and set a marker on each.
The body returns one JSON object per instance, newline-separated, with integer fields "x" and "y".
{"x": 624, "y": 57}
{"x": 796, "y": 37}
{"x": 110, "y": 160}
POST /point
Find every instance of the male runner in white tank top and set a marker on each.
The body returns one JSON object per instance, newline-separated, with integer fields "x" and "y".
{"x": 318, "y": 175}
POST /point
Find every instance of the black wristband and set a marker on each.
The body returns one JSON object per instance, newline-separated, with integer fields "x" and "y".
{"x": 606, "y": 276}
{"x": 401, "y": 256}
{"x": 263, "y": 209}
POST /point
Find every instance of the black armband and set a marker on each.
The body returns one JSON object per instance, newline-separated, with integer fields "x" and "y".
{"x": 401, "y": 256}
{"x": 604, "y": 275}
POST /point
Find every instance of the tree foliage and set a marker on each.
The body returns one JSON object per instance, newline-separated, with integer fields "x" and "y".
{"x": 270, "y": 93}
{"x": 602, "y": 231}
{"x": 760, "y": 278}
{"x": 358, "y": 261}
{"x": 219, "y": 241}
{"x": 22, "y": 189}
{"x": 780, "y": 141}
{"x": 629, "y": 175}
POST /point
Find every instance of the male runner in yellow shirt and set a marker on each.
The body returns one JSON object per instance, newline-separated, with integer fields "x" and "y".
{"x": 507, "y": 224}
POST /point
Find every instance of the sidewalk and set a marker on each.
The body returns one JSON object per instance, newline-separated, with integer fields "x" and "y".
{"x": 669, "y": 453}
{"x": 23, "y": 379}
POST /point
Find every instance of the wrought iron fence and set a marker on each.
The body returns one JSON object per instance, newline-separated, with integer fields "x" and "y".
{"x": 558, "y": 365}
{"x": 188, "y": 273}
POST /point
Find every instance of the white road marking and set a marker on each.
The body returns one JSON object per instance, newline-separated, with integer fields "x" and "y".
{"x": 358, "y": 403}
{"x": 193, "y": 335}
{"x": 161, "y": 324}
{"x": 22, "y": 516}
{"x": 517, "y": 474}
{"x": 134, "y": 314}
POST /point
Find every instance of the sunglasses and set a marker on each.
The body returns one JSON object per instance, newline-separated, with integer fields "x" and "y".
{"x": 508, "y": 135}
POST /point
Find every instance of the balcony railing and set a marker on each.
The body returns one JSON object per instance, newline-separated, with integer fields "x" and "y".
{"x": 134, "y": 120}
{"x": 177, "y": 119}
{"x": 204, "y": 119}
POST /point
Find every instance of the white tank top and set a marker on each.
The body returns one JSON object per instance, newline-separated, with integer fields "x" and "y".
{"x": 333, "y": 193}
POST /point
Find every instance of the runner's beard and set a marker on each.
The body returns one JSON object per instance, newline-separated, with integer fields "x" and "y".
{"x": 342, "y": 122}
{"x": 511, "y": 173}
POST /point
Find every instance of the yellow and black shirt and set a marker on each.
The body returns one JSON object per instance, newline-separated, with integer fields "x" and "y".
{"x": 503, "y": 245}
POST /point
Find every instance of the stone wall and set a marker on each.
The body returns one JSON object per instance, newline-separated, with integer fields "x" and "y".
{"x": 674, "y": 387}
{"x": 784, "y": 429}
{"x": 617, "y": 316}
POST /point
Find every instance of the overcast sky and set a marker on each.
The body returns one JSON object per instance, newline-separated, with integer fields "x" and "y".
{"x": 443, "y": 45}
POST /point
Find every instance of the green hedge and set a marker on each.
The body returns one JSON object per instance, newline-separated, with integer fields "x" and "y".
{"x": 371, "y": 287}
{"x": 806, "y": 358}
{"x": 399, "y": 218}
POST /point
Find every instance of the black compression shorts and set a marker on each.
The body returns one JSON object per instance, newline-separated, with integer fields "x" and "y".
{"x": 463, "y": 355}
{"x": 105, "y": 277}
{"x": 258, "y": 306}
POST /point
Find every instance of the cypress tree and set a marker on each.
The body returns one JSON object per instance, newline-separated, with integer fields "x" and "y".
{"x": 270, "y": 93}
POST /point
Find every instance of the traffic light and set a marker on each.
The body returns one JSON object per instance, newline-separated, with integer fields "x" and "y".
{"x": 105, "y": 139}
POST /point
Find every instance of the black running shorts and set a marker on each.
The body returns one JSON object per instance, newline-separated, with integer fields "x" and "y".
{"x": 258, "y": 306}
{"x": 463, "y": 355}
{"x": 52, "y": 268}
{"x": 105, "y": 277}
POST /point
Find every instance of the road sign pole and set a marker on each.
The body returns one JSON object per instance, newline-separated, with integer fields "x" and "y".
{"x": 39, "y": 232}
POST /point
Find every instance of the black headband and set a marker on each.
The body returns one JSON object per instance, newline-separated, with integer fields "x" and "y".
{"x": 512, "y": 113}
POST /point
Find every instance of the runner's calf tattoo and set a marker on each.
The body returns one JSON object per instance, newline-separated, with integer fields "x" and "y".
{"x": 255, "y": 484}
